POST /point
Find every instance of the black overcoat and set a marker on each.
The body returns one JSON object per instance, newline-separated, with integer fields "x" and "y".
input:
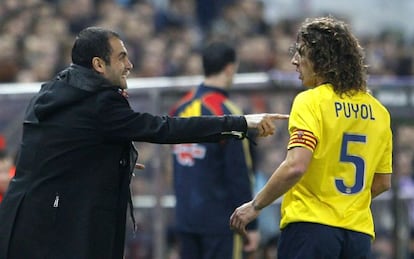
{"x": 70, "y": 194}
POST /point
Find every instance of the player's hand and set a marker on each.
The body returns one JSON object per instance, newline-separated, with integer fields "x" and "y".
{"x": 263, "y": 122}
{"x": 241, "y": 217}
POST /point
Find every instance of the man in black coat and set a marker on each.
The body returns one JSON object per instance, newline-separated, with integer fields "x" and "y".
{"x": 70, "y": 195}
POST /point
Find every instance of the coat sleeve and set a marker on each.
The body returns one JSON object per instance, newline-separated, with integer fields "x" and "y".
{"x": 119, "y": 121}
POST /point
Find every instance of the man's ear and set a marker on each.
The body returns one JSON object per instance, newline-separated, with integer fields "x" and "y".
{"x": 98, "y": 64}
{"x": 230, "y": 69}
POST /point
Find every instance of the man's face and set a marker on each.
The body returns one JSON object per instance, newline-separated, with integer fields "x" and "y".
{"x": 120, "y": 65}
{"x": 304, "y": 66}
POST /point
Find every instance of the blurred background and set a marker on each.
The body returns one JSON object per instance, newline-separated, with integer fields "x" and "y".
{"x": 163, "y": 38}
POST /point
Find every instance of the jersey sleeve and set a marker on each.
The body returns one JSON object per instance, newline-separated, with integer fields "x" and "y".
{"x": 304, "y": 120}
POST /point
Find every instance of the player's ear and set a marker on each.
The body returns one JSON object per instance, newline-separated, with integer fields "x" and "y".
{"x": 98, "y": 64}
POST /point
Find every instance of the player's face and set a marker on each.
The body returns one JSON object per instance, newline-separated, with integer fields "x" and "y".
{"x": 120, "y": 65}
{"x": 304, "y": 66}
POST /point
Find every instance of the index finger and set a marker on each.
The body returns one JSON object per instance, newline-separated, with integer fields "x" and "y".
{"x": 277, "y": 116}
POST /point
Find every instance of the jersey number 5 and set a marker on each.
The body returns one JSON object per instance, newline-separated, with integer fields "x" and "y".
{"x": 356, "y": 160}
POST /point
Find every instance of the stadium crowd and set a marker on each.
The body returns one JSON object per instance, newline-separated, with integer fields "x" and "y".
{"x": 164, "y": 37}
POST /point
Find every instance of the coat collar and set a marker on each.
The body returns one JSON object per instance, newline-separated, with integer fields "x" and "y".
{"x": 83, "y": 78}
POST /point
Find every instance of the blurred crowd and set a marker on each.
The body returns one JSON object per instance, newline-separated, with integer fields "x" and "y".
{"x": 163, "y": 36}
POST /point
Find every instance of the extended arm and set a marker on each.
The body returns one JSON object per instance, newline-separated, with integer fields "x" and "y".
{"x": 285, "y": 176}
{"x": 119, "y": 121}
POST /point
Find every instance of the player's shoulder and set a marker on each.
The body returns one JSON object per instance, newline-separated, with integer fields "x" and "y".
{"x": 213, "y": 98}
{"x": 183, "y": 102}
{"x": 310, "y": 96}
{"x": 214, "y": 102}
{"x": 376, "y": 102}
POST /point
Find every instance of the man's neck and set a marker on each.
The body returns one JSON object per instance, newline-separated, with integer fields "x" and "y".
{"x": 218, "y": 81}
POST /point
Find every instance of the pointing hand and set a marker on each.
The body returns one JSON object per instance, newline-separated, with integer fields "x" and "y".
{"x": 263, "y": 122}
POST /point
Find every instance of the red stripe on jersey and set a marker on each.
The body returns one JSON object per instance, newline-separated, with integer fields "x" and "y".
{"x": 214, "y": 102}
{"x": 302, "y": 138}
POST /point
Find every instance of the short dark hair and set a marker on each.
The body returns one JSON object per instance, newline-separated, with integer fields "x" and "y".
{"x": 216, "y": 56}
{"x": 92, "y": 42}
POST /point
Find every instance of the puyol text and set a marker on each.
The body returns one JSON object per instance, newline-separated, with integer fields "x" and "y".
{"x": 354, "y": 110}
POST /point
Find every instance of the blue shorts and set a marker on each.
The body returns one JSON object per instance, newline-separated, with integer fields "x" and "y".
{"x": 304, "y": 240}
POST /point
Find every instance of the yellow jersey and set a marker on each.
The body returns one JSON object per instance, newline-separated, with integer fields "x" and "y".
{"x": 351, "y": 140}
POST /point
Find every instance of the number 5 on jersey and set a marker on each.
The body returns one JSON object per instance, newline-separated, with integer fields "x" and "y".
{"x": 356, "y": 160}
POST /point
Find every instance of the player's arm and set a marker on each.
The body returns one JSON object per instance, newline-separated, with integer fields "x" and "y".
{"x": 380, "y": 184}
{"x": 285, "y": 176}
{"x": 382, "y": 181}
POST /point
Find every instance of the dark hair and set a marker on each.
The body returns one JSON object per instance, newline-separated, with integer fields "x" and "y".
{"x": 216, "y": 56}
{"x": 335, "y": 53}
{"x": 92, "y": 42}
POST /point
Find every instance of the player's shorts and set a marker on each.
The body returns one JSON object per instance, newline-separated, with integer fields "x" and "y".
{"x": 304, "y": 240}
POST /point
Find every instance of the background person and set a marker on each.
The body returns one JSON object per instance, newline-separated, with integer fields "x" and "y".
{"x": 339, "y": 154}
{"x": 211, "y": 179}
